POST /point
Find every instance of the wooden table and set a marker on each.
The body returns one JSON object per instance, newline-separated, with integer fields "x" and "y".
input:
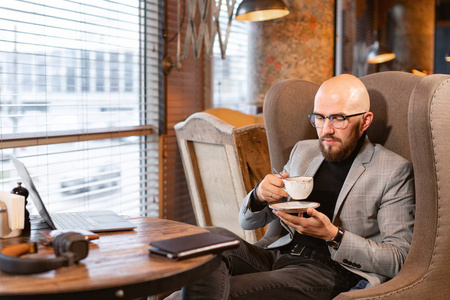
{"x": 118, "y": 267}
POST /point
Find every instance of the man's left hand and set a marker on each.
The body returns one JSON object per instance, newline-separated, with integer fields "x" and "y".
{"x": 318, "y": 225}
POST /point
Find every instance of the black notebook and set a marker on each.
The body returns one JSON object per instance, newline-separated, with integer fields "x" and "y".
{"x": 192, "y": 245}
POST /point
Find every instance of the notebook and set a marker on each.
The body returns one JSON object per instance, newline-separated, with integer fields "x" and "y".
{"x": 95, "y": 221}
{"x": 192, "y": 245}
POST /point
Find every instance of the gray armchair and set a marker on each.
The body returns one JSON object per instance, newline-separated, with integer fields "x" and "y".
{"x": 412, "y": 118}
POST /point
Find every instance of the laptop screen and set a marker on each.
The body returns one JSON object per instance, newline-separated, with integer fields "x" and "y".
{"x": 28, "y": 183}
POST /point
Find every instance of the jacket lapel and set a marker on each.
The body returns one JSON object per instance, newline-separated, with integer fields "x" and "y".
{"x": 314, "y": 166}
{"x": 357, "y": 169}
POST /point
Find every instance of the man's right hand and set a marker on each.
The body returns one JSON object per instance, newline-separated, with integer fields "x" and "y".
{"x": 270, "y": 189}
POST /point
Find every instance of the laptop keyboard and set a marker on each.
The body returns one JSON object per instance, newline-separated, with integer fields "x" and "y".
{"x": 70, "y": 221}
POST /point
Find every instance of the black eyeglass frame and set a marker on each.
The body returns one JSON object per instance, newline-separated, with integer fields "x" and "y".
{"x": 330, "y": 118}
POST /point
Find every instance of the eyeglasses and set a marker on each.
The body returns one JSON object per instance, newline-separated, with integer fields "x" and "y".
{"x": 337, "y": 121}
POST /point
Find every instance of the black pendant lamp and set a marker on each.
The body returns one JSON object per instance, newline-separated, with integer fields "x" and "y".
{"x": 261, "y": 10}
{"x": 379, "y": 54}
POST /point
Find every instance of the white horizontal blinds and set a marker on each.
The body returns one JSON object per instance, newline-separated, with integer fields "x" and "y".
{"x": 76, "y": 67}
{"x": 230, "y": 75}
{"x": 76, "y": 64}
{"x": 152, "y": 96}
{"x": 153, "y": 47}
{"x": 93, "y": 175}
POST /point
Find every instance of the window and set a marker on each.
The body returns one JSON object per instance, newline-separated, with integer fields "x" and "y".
{"x": 72, "y": 92}
{"x": 71, "y": 63}
{"x": 230, "y": 75}
{"x": 100, "y": 81}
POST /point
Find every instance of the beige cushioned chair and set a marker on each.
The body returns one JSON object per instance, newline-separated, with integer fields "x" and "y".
{"x": 224, "y": 154}
{"x": 411, "y": 118}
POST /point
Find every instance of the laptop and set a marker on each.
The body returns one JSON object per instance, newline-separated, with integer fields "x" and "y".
{"x": 95, "y": 221}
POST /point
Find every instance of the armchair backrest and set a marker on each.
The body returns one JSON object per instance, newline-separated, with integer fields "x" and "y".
{"x": 286, "y": 108}
{"x": 390, "y": 94}
{"x": 222, "y": 163}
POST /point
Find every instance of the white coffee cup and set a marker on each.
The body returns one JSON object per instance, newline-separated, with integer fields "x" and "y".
{"x": 298, "y": 187}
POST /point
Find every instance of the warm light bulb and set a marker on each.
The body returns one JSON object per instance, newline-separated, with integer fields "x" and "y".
{"x": 381, "y": 58}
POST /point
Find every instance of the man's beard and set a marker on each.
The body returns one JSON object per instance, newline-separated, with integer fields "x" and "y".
{"x": 339, "y": 154}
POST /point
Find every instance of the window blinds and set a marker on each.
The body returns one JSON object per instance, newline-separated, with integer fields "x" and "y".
{"x": 230, "y": 75}
{"x": 79, "y": 94}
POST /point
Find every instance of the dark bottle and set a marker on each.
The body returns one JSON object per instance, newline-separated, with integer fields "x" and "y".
{"x": 20, "y": 190}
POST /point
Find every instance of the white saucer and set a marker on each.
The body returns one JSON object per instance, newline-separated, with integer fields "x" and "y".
{"x": 294, "y": 206}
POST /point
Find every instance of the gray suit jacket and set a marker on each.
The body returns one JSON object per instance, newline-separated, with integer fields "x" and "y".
{"x": 375, "y": 206}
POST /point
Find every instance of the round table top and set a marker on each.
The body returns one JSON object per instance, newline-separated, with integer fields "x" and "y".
{"x": 118, "y": 266}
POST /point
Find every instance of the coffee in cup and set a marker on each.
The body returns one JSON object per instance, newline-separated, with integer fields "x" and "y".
{"x": 298, "y": 187}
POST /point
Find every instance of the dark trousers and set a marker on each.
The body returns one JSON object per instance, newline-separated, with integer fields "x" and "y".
{"x": 251, "y": 272}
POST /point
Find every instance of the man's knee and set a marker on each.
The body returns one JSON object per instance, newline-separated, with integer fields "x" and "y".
{"x": 220, "y": 230}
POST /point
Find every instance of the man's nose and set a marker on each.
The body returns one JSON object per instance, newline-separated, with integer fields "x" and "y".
{"x": 327, "y": 127}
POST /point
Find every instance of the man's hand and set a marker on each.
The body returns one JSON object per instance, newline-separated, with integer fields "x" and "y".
{"x": 270, "y": 189}
{"x": 318, "y": 225}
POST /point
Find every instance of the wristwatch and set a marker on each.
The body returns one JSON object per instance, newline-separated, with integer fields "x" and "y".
{"x": 336, "y": 241}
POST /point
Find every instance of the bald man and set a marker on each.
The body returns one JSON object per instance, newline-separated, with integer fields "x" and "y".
{"x": 360, "y": 234}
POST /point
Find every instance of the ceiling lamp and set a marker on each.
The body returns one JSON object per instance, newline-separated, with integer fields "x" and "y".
{"x": 447, "y": 57}
{"x": 379, "y": 54}
{"x": 261, "y": 10}
{"x": 420, "y": 73}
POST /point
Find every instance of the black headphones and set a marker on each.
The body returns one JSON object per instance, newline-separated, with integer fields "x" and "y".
{"x": 69, "y": 248}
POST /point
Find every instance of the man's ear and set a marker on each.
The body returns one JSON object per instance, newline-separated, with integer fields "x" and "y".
{"x": 367, "y": 120}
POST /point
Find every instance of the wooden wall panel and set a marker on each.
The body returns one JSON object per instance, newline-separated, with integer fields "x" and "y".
{"x": 184, "y": 96}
